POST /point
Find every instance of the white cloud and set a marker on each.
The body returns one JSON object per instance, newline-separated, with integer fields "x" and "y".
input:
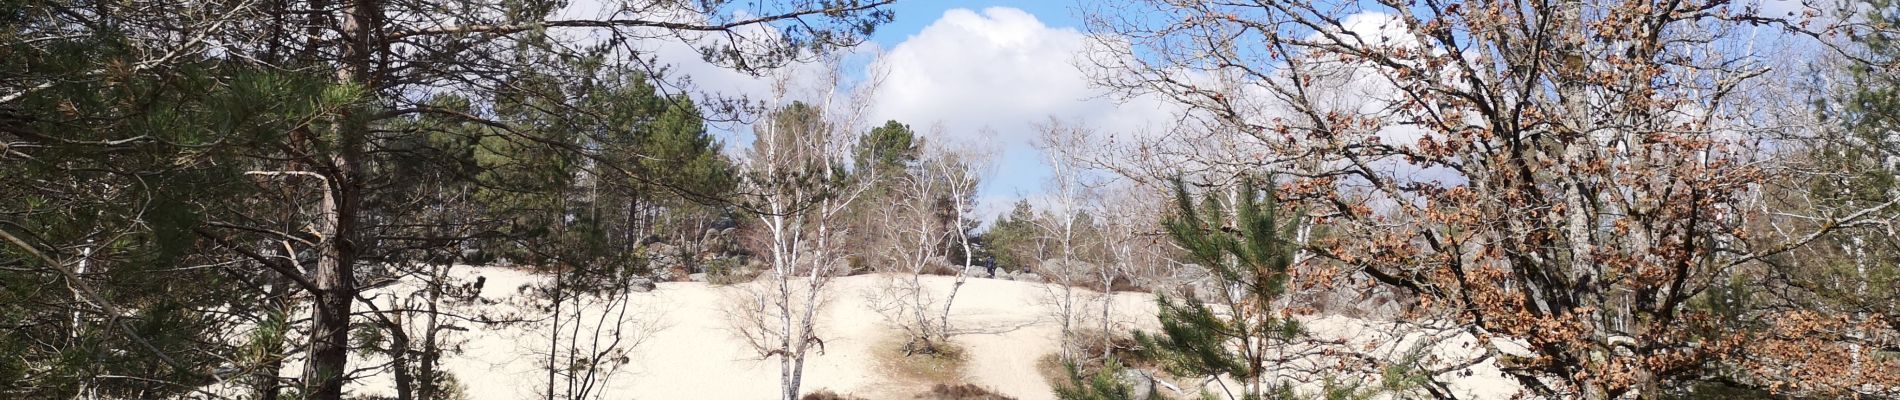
{"x": 968, "y": 69}
{"x": 1003, "y": 69}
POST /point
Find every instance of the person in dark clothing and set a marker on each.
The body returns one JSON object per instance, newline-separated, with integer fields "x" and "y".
{"x": 991, "y": 266}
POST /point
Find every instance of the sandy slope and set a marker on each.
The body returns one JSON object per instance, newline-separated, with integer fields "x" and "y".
{"x": 690, "y": 352}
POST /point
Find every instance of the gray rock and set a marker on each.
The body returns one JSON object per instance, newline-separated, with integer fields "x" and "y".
{"x": 1140, "y": 385}
{"x": 1029, "y": 277}
{"x": 663, "y": 253}
{"x": 666, "y": 275}
{"x": 696, "y": 277}
{"x": 641, "y": 285}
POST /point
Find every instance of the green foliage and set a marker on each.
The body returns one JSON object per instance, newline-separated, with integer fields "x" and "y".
{"x": 889, "y": 149}
{"x": 1101, "y": 385}
{"x": 163, "y": 158}
{"x": 111, "y": 172}
{"x": 791, "y": 143}
{"x": 1872, "y": 105}
{"x": 1244, "y": 250}
{"x": 679, "y": 153}
{"x": 1013, "y": 238}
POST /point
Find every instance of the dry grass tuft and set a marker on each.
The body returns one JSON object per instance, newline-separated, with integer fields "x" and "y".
{"x": 964, "y": 391}
{"x": 1090, "y": 343}
{"x": 941, "y": 366}
{"x": 827, "y": 394}
{"x": 1052, "y": 371}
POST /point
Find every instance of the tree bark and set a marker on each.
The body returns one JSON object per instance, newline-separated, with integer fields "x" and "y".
{"x": 425, "y": 371}
{"x": 265, "y": 381}
{"x": 399, "y": 357}
{"x": 335, "y": 274}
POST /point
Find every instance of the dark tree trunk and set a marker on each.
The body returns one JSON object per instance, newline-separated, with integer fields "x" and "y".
{"x": 330, "y": 333}
{"x": 335, "y": 275}
{"x": 426, "y": 374}
{"x": 399, "y": 359}
{"x": 265, "y": 380}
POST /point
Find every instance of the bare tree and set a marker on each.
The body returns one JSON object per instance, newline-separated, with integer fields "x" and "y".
{"x": 915, "y": 233}
{"x": 799, "y": 189}
{"x": 1065, "y": 271}
{"x": 387, "y": 51}
{"x": 962, "y": 168}
{"x": 591, "y": 337}
{"x": 1130, "y": 247}
{"x": 928, "y": 211}
{"x": 1565, "y": 181}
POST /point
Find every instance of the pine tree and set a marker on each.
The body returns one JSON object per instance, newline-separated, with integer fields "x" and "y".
{"x": 1102, "y": 385}
{"x": 1244, "y": 248}
{"x": 889, "y": 149}
{"x": 1012, "y": 238}
{"x": 106, "y": 177}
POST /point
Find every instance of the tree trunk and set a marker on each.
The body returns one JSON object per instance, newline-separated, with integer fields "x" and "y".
{"x": 330, "y": 333}
{"x": 425, "y": 371}
{"x": 1108, "y": 301}
{"x": 399, "y": 358}
{"x": 554, "y": 331}
{"x": 336, "y": 292}
{"x": 335, "y": 280}
{"x": 265, "y": 380}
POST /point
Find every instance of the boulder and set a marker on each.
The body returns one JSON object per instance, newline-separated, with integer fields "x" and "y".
{"x": 696, "y": 277}
{"x": 668, "y": 275}
{"x": 659, "y": 250}
{"x": 641, "y": 285}
{"x": 1029, "y": 277}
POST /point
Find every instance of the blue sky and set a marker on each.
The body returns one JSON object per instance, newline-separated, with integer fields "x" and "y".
{"x": 1002, "y": 66}
{"x": 914, "y": 15}
{"x": 982, "y": 71}
{"x": 971, "y": 66}
{"x": 983, "y": 66}
{"x": 997, "y": 66}
{"x": 1020, "y": 172}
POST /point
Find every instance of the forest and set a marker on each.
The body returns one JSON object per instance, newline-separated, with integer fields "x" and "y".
{"x": 550, "y": 199}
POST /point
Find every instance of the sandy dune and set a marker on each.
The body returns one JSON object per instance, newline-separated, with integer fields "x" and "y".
{"x": 689, "y": 351}
{"x": 692, "y": 353}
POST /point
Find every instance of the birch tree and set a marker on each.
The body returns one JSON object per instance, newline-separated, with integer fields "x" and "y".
{"x": 926, "y": 214}
{"x": 798, "y": 188}
{"x": 962, "y": 169}
{"x": 914, "y": 235}
{"x": 1059, "y": 225}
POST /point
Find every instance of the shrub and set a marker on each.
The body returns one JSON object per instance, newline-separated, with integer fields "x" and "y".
{"x": 827, "y": 394}
{"x": 964, "y": 391}
{"x": 942, "y": 363}
{"x": 731, "y": 277}
{"x": 1089, "y": 344}
{"x": 1100, "y": 385}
